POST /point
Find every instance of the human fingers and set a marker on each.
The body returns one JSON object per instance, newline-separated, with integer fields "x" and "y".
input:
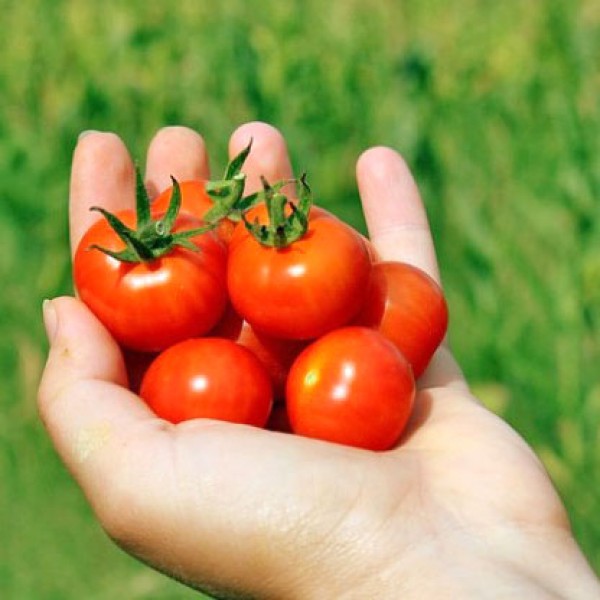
{"x": 102, "y": 174}
{"x": 395, "y": 215}
{"x": 268, "y": 157}
{"x": 84, "y": 361}
{"x": 175, "y": 151}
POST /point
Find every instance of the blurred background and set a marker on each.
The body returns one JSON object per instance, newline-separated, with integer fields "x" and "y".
{"x": 493, "y": 104}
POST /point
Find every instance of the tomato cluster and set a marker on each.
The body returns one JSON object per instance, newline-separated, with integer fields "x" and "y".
{"x": 262, "y": 310}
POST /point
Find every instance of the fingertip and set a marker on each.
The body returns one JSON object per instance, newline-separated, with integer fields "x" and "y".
{"x": 258, "y": 131}
{"x": 394, "y": 212}
{"x": 102, "y": 174}
{"x": 269, "y": 154}
{"x": 177, "y": 151}
{"x": 382, "y": 163}
{"x": 100, "y": 152}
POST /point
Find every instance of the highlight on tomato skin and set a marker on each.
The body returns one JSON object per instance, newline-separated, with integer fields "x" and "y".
{"x": 353, "y": 387}
{"x": 211, "y": 378}
{"x": 407, "y": 306}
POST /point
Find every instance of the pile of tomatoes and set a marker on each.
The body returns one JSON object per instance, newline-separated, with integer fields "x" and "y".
{"x": 261, "y": 310}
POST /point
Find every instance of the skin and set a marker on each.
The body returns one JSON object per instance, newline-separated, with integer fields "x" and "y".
{"x": 461, "y": 509}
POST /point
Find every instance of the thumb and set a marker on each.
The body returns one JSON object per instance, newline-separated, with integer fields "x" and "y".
{"x": 83, "y": 392}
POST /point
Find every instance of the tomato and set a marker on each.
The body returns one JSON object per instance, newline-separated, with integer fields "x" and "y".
{"x": 196, "y": 201}
{"x": 301, "y": 291}
{"x": 353, "y": 387}
{"x": 409, "y": 308}
{"x": 211, "y": 378}
{"x": 275, "y": 354}
{"x": 150, "y": 305}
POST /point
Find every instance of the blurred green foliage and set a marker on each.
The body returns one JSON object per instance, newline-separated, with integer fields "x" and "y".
{"x": 493, "y": 104}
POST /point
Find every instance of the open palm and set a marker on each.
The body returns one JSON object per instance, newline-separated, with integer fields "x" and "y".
{"x": 461, "y": 508}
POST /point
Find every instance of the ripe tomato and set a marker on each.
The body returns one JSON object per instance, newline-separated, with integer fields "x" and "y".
{"x": 351, "y": 386}
{"x": 275, "y": 354}
{"x": 210, "y": 378}
{"x": 150, "y": 305}
{"x": 304, "y": 290}
{"x": 409, "y": 308}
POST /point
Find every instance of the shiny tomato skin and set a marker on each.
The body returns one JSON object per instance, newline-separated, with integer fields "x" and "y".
{"x": 409, "y": 308}
{"x": 276, "y": 354}
{"x": 194, "y": 201}
{"x": 150, "y": 306}
{"x": 304, "y": 290}
{"x": 352, "y": 387}
{"x": 210, "y": 378}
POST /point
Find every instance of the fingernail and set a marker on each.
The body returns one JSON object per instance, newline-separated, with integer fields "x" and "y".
{"x": 86, "y": 133}
{"x": 50, "y": 319}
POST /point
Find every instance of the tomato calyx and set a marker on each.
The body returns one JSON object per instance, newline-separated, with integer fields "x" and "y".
{"x": 283, "y": 227}
{"x": 152, "y": 237}
{"x": 227, "y": 193}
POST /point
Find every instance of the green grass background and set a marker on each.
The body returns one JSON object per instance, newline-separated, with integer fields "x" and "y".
{"x": 494, "y": 105}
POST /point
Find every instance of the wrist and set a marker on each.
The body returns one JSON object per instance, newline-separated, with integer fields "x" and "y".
{"x": 500, "y": 564}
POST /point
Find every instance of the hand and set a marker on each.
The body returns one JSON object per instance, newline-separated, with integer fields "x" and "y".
{"x": 461, "y": 509}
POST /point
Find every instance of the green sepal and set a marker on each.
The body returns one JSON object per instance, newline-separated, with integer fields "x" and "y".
{"x": 237, "y": 162}
{"x": 152, "y": 237}
{"x": 227, "y": 193}
{"x": 282, "y": 230}
{"x": 142, "y": 200}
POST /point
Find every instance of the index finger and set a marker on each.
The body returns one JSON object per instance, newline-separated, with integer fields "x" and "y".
{"x": 394, "y": 213}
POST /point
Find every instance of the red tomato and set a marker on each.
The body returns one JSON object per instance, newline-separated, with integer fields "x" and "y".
{"x": 304, "y": 290}
{"x": 409, "y": 308}
{"x": 194, "y": 201}
{"x": 211, "y": 378}
{"x": 148, "y": 306}
{"x": 352, "y": 387}
{"x": 276, "y": 355}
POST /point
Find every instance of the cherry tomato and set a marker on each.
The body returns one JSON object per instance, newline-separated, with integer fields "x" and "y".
{"x": 210, "y": 378}
{"x": 408, "y": 307}
{"x": 194, "y": 201}
{"x": 352, "y": 386}
{"x": 148, "y": 306}
{"x": 275, "y": 354}
{"x": 304, "y": 290}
